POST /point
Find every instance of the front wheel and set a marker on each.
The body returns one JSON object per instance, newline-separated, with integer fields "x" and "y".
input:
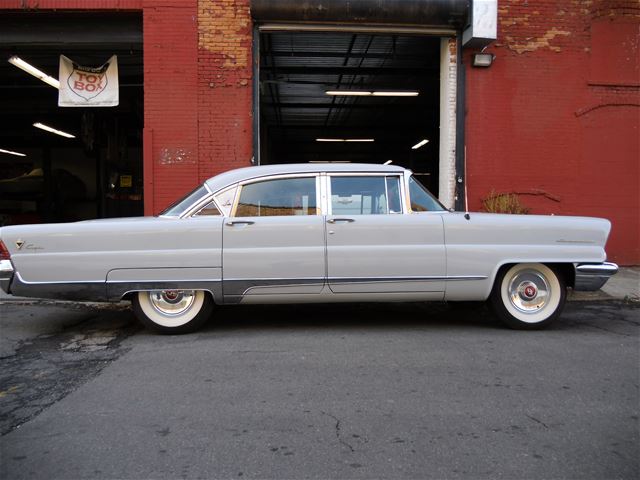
{"x": 528, "y": 296}
{"x": 173, "y": 311}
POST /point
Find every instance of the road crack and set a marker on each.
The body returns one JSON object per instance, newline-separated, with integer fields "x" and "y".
{"x": 338, "y": 431}
{"x": 537, "y": 421}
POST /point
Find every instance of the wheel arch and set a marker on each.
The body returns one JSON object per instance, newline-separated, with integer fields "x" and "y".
{"x": 567, "y": 270}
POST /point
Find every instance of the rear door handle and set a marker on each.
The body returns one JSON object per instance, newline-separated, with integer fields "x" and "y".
{"x": 233, "y": 223}
{"x": 341, "y": 220}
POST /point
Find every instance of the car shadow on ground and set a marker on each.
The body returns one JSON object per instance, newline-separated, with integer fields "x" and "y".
{"x": 347, "y": 316}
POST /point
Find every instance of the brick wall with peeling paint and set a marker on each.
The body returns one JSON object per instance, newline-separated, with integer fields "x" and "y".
{"x": 556, "y": 118}
{"x": 198, "y": 94}
{"x": 224, "y": 85}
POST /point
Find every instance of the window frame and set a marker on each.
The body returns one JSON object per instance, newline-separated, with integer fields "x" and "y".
{"x": 327, "y": 204}
{"x": 241, "y": 185}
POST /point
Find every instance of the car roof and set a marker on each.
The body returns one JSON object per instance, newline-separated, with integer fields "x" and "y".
{"x": 248, "y": 173}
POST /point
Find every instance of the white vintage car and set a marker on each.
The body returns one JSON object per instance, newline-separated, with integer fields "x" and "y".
{"x": 309, "y": 233}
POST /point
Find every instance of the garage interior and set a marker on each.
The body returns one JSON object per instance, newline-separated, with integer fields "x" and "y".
{"x": 300, "y": 122}
{"x": 98, "y": 173}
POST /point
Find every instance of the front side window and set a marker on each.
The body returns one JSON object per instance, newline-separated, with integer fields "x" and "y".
{"x": 365, "y": 195}
{"x": 279, "y": 197}
{"x": 421, "y": 199}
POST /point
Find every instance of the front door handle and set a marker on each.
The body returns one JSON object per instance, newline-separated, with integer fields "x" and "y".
{"x": 239, "y": 222}
{"x": 341, "y": 220}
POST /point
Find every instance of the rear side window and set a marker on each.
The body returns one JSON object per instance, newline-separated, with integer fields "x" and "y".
{"x": 210, "y": 209}
{"x": 181, "y": 206}
{"x": 365, "y": 195}
{"x": 278, "y": 197}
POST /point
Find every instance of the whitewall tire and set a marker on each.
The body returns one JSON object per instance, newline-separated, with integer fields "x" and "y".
{"x": 528, "y": 296}
{"x": 173, "y": 311}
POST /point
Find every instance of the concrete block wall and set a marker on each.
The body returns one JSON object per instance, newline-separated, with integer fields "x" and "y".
{"x": 556, "y": 118}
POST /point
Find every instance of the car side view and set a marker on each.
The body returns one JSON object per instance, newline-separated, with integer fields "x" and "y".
{"x": 309, "y": 233}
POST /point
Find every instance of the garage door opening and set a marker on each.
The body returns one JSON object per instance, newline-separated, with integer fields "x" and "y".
{"x": 96, "y": 174}
{"x": 351, "y": 97}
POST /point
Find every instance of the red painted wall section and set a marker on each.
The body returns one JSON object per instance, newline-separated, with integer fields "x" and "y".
{"x": 170, "y": 101}
{"x": 72, "y": 4}
{"x": 547, "y": 121}
{"x": 224, "y": 86}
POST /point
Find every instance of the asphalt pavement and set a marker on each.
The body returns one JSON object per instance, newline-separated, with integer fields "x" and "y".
{"x": 320, "y": 391}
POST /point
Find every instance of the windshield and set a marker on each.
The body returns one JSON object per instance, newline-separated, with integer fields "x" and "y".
{"x": 179, "y": 207}
{"x": 421, "y": 198}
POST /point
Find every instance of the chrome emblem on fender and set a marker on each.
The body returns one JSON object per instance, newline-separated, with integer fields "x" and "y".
{"x": 19, "y": 243}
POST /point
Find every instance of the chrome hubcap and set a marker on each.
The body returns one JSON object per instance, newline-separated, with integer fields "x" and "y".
{"x": 172, "y": 302}
{"x": 529, "y": 291}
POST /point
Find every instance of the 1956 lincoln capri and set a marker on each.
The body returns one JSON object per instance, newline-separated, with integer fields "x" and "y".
{"x": 309, "y": 233}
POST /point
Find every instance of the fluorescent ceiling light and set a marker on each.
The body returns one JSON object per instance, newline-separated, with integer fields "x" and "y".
{"x": 360, "y": 93}
{"x": 53, "y": 130}
{"x": 345, "y": 140}
{"x": 18, "y": 62}
{"x": 420, "y": 144}
{"x": 377, "y": 93}
{"x": 18, "y": 154}
{"x": 399, "y": 93}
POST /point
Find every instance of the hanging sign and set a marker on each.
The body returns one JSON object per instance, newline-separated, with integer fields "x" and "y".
{"x": 86, "y": 86}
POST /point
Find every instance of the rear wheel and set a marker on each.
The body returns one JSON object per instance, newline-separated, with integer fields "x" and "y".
{"x": 528, "y": 296}
{"x": 173, "y": 311}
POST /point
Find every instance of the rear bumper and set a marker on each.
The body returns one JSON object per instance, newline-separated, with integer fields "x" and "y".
{"x": 592, "y": 276}
{"x": 6, "y": 273}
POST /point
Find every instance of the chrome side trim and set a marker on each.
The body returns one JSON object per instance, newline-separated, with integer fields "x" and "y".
{"x": 87, "y": 291}
{"x": 341, "y": 280}
{"x": 236, "y": 287}
{"x": 593, "y": 276}
{"x": 67, "y": 282}
{"x": 585, "y": 242}
{"x": 240, "y": 287}
{"x": 99, "y": 291}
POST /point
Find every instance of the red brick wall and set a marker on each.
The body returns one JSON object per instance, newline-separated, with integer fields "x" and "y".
{"x": 549, "y": 122}
{"x": 198, "y": 94}
{"x": 170, "y": 101}
{"x": 224, "y": 85}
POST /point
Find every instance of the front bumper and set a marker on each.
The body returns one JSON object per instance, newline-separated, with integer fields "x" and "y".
{"x": 6, "y": 273}
{"x": 592, "y": 276}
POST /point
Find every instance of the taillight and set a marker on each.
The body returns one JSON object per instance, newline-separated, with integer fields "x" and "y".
{"x": 4, "y": 253}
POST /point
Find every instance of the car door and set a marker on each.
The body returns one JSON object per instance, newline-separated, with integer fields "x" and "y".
{"x": 374, "y": 245}
{"x": 273, "y": 243}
